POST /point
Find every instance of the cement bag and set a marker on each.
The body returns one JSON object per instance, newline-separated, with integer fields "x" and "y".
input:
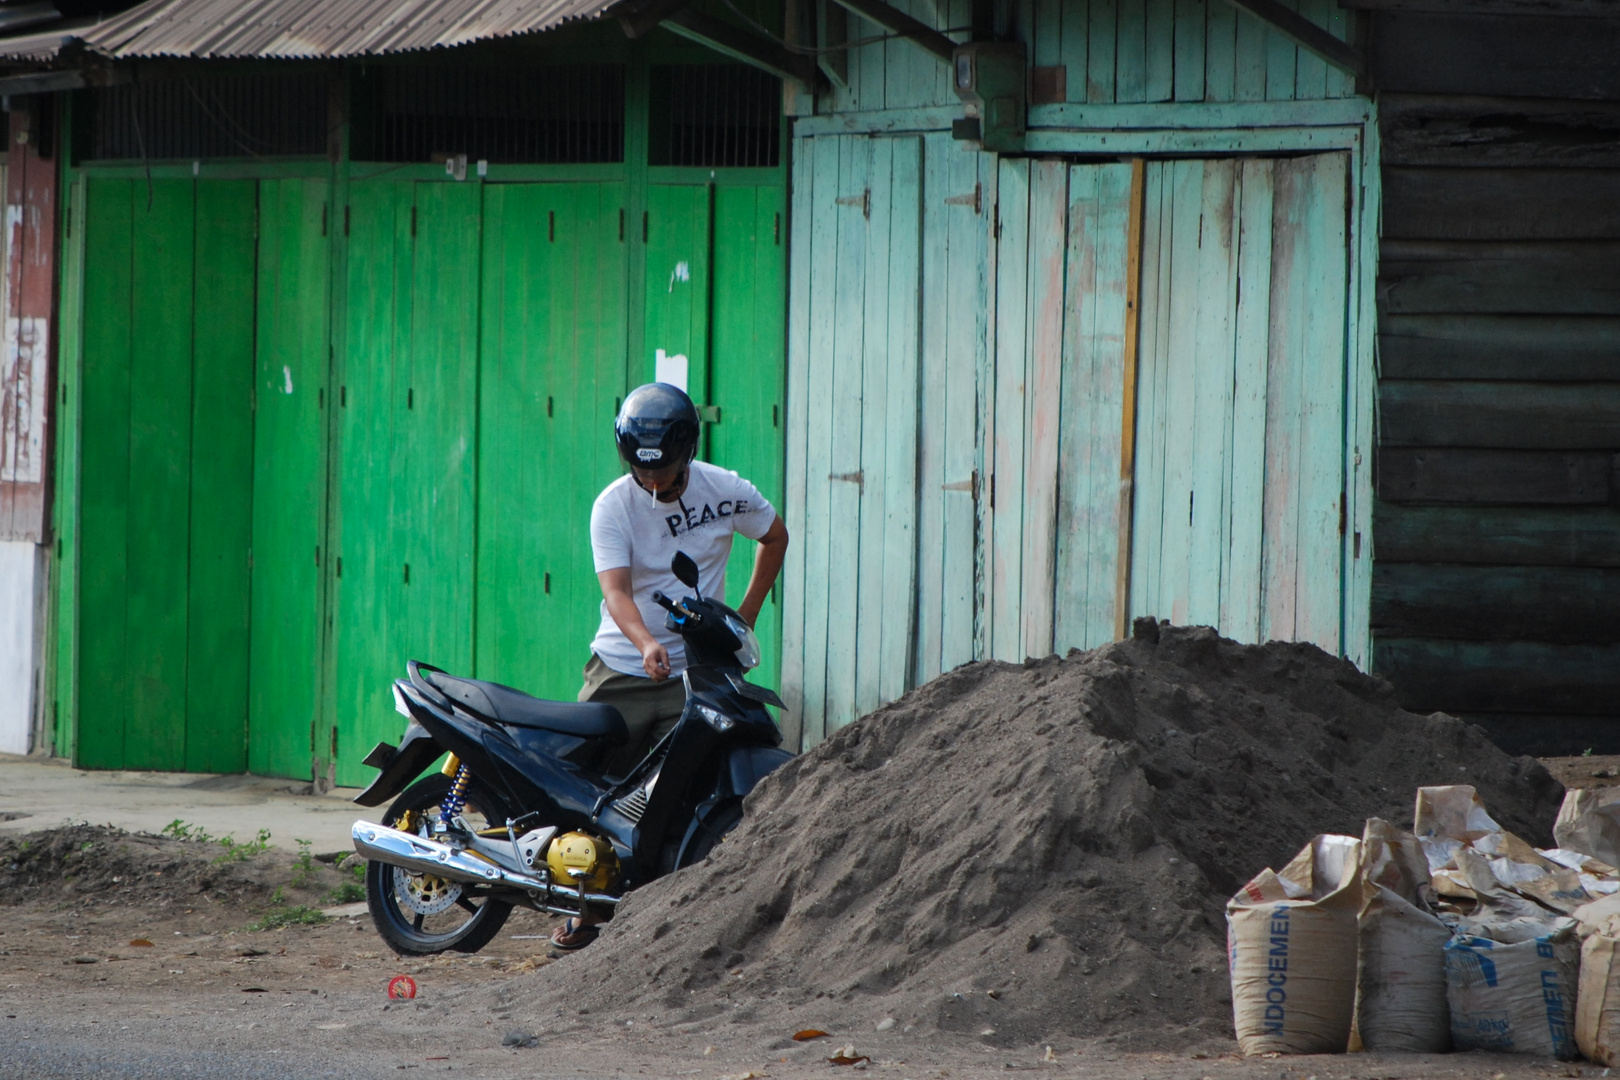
{"x": 1514, "y": 997}
{"x": 1597, "y": 1007}
{"x": 1589, "y": 822}
{"x": 1401, "y": 968}
{"x": 1291, "y": 945}
{"x": 1452, "y": 824}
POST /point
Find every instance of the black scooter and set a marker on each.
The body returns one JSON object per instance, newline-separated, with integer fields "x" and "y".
{"x": 522, "y": 815}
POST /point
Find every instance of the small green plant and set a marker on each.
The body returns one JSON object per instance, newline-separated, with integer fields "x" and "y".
{"x": 347, "y": 893}
{"x": 1587, "y": 752}
{"x": 303, "y": 865}
{"x": 281, "y": 916}
{"x": 179, "y": 829}
{"x": 242, "y": 852}
{"x": 88, "y": 845}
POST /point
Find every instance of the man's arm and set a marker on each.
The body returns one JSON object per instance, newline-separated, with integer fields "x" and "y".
{"x": 767, "y": 564}
{"x": 622, "y": 606}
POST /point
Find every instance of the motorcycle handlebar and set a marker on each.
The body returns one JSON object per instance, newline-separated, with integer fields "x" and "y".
{"x": 664, "y": 602}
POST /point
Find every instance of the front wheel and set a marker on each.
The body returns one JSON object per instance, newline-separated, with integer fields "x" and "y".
{"x": 422, "y": 914}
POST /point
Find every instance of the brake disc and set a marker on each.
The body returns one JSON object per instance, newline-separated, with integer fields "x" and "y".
{"x": 425, "y": 894}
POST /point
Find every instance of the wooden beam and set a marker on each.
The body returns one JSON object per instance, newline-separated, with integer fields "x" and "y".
{"x": 1304, "y": 33}
{"x": 898, "y": 22}
{"x": 640, "y": 16}
{"x": 1588, "y": 8}
{"x": 729, "y": 41}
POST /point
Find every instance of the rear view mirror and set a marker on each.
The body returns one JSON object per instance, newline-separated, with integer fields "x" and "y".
{"x": 685, "y": 570}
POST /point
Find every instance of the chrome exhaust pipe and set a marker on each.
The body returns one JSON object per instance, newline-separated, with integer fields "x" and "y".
{"x": 380, "y": 843}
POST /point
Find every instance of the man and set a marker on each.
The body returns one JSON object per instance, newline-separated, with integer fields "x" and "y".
{"x": 667, "y": 503}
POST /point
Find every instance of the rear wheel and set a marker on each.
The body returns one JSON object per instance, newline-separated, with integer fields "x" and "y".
{"x": 422, "y": 914}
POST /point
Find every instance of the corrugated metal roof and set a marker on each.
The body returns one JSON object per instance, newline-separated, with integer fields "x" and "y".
{"x": 322, "y": 28}
{"x": 42, "y": 44}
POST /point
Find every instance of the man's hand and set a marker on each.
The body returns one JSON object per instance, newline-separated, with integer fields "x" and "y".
{"x": 655, "y": 661}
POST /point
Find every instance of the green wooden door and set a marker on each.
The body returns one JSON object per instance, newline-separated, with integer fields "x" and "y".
{"x": 289, "y": 477}
{"x": 407, "y": 438}
{"x": 714, "y": 312}
{"x": 746, "y": 375}
{"x": 164, "y": 454}
{"x": 677, "y": 289}
{"x": 437, "y": 434}
{"x": 369, "y": 570}
{"x": 553, "y": 324}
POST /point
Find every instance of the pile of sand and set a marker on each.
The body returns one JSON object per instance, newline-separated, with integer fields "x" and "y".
{"x": 1038, "y": 852}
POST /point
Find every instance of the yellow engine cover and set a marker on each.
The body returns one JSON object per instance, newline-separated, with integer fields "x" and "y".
{"x": 580, "y": 851}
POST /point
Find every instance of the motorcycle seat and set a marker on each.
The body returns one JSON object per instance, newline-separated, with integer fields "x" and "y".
{"x": 586, "y": 719}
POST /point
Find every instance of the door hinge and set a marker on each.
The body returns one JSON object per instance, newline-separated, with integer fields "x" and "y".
{"x": 407, "y": 573}
{"x": 863, "y": 200}
{"x": 413, "y": 223}
{"x": 621, "y": 224}
{"x": 345, "y": 220}
{"x": 858, "y": 478}
{"x": 975, "y": 200}
{"x": 551, "y": 226}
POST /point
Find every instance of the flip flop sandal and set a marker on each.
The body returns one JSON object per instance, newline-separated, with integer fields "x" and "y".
{"x": 584, "y": 935}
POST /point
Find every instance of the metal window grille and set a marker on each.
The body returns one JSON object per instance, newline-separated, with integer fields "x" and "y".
{"x": 542, "y": 115}
{"x": 262, "y": 114}
{"x": 715, "y": 116}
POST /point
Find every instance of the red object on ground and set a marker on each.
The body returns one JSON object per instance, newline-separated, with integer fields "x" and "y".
{"x": 401, "y": 987}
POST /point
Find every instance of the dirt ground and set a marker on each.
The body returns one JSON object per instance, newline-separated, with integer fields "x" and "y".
{"x": 83, "y": 995}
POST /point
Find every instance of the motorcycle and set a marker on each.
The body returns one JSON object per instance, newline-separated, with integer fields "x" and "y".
{"x": 521, "y": 814}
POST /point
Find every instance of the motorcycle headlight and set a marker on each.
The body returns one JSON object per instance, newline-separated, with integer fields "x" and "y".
{"x": 715, "y": 718}
{"x": 748, "y": 651}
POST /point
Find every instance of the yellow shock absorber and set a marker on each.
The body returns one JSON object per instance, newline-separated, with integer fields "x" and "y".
{"x": 457, "y": 798}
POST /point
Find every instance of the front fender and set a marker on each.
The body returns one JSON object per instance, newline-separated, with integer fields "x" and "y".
{"x": 746, "y": 766}
{"x": 400, "y": 765}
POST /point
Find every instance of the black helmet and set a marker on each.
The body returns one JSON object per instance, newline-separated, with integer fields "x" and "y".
{"x": 658, "y": 426}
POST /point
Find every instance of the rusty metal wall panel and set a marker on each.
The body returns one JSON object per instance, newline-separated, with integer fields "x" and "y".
{"x": 322, "y": 28}
{"x": 26, "y": 370}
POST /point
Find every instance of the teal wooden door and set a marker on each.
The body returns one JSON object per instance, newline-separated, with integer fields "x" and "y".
{"x": 854, "y": 454}
{"x": 553, "y": 323}
{"x": 1241, "y": 468}
{"x": 165, "y": 454}
{"x": 289, "y": 478}
{"x": 1051, "y": 540}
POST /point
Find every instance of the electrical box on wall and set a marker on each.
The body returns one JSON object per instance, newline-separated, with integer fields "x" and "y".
{"x": 992, "y": 81}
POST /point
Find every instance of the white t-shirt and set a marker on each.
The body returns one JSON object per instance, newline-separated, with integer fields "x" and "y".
{"x": 630, "y": 528}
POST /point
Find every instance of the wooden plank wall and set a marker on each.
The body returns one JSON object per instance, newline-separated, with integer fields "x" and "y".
{"x": 1108, "y": 51}
{"x": 1496, "y": 576}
